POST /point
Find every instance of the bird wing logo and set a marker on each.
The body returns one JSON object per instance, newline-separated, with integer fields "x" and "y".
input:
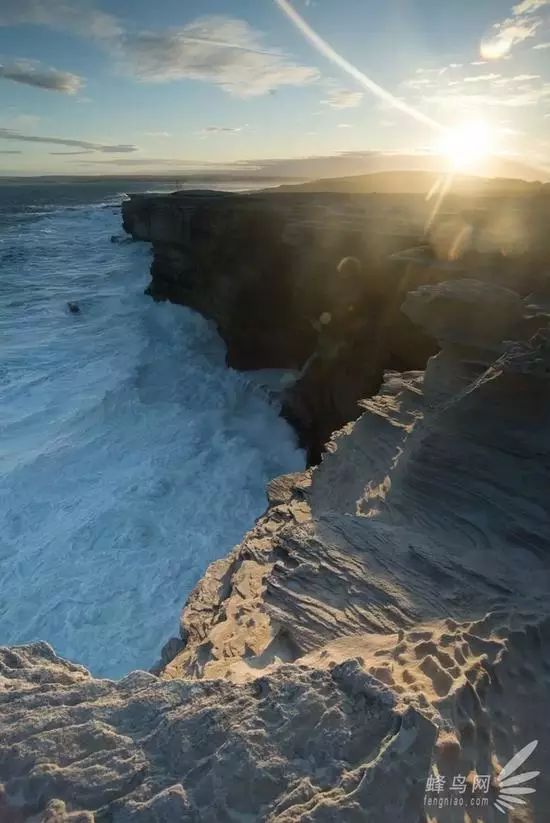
{"x": 510, "y": 785}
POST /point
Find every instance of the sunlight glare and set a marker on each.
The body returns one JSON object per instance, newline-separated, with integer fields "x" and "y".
{"x": 466, "y": 145}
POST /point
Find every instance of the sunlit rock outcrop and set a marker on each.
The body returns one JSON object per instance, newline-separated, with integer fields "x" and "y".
{"x": 301, "y": 744}
{"x": 386, "y": 619}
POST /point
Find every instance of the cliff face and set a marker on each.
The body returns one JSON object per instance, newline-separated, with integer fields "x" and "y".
{"x": 264, "y": 267}
{"x": 267, "y": 266}
{"x": 407, "y": 505}
{"x": 261, "y": 265}
{"x": 387, "y": 616}
{"x": 387, "y": 619}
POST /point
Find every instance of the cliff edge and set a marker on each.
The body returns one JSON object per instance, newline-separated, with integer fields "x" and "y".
{"x": 269, "y": 268}
{"x": 313, "y": 281}
{"x": 385, "y": 622}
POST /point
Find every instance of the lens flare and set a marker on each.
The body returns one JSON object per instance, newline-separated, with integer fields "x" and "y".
{"x": 467, "y": 145}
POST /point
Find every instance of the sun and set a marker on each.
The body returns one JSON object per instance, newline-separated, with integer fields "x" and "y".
{"x": 467, "y": 145}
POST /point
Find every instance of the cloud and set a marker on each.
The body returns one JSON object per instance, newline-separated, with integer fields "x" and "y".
{"x": 222, "y": 129}
{"x": 173, "y": 164}
{"x": 508, "y": 34}
{"x": 218, "y": 49}
{"x": 344, "y": 125}
{"x": 518, "y": 78}
{"x": 343, "y": 99}
{"x": 542, "y": 46}
{"x": 64, "y": 153}
{"x": 34, "y": 73}
{"x": 521, "y": 26}
{"x": 440, "y": 70}
{"x": 10, "y": 151}
{"x": 529, "y": 6}
{"x": 157, "y": 134}
{"x": 469, "y": 94}
{"x": 9, "y": 134}
{"x": 222, "y": 50}
{"x": 519, "y": 99}
{"x": 78, "y": 16}
{"x": 481, "y": 77}
{"x": 19, "y": 120}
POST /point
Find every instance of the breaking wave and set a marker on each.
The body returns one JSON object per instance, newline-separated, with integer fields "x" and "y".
{"x": 130, "y": 456}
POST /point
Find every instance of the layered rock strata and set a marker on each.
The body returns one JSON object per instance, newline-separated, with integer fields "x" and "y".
{"x": 387, "y": 619}
{"x": 265, "y": 267}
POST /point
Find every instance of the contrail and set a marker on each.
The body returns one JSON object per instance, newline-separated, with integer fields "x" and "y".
{"x": 325, "y": 49}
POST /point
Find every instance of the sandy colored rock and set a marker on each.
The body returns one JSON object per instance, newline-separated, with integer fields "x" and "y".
{"x": 387, "y": 619}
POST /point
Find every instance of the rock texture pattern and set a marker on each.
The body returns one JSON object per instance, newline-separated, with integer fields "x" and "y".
{"x": 265, "y": 267}
{"x": 300, "y": 744}
{"x": 387, "y": 619}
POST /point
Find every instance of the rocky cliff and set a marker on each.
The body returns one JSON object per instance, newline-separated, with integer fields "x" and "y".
{"x": 266, "y": 266}
{"x": 385, "y": 621}
{"x": 314, "y": 281}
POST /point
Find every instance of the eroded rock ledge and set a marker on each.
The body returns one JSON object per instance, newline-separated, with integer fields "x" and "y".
{"x": 388, "y": 615}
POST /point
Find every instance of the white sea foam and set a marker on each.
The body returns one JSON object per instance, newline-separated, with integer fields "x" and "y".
{"x": 131, "y": 457}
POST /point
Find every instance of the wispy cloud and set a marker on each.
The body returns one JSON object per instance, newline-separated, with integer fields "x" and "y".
{"x": 529, "y": 6}
{"x": 218, "y": 49}
{"x": 171, "y": 163}
{"x": 343, "y": 99}
{"x": 19, "y": 120}
{"x": 78, "y": 16}
{"x": 517, "y": 78}
{"x": 542, "y": 46}
{"x": 34, "y": 73}
{"x": 9, "y": 134}
{"x": 222, "y": 50}
{"x": 157, "y": 134}
{"x": 222, "y": 129}
{"x": 479, "y": 78}
{"x": 458, "y": 100}
{"x": 10, "y": 151}
{"x": 460, "y": 93}
{"x": 522, "y": 25}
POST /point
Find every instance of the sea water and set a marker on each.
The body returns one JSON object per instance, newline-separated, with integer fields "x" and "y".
{"x": 130, "y": 455}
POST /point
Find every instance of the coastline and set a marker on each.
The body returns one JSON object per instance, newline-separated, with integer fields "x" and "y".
{"x": 371, "y": 626}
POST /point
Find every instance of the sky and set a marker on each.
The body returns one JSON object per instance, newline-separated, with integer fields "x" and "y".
{"x": 301, "y": 88}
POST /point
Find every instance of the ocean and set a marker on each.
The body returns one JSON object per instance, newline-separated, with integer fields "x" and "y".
{"x": 130, "y": 455}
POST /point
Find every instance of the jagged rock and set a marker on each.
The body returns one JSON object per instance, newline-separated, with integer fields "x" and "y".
{"x": 403, "y": 509}
{"x": 387, "y": 615}
{"x": 149, "y": 751}
{"x": 425, "y": 513}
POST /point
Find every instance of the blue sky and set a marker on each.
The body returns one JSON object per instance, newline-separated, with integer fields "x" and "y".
{"x": 125, "y": 86}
